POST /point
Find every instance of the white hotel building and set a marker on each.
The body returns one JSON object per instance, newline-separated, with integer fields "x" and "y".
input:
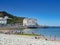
{"x": 29, "y": 22}
{"x": 3, "y": 20}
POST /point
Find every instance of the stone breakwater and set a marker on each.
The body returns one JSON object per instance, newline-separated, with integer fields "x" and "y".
{"x": 24, "y": 40}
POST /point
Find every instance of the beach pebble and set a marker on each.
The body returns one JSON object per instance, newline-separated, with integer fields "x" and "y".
{"x": 24, "y": 40}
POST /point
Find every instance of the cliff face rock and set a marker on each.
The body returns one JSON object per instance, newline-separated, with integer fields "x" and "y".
{"x": 13, "y": 20}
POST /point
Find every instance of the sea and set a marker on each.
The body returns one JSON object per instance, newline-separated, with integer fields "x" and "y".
{"x": 51, "y": 33}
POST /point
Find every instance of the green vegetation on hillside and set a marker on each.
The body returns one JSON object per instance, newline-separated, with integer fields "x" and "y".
{"x": 13, "y": 19}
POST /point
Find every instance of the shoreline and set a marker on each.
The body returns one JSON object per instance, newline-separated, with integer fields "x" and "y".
{"x": 46, "y": 37}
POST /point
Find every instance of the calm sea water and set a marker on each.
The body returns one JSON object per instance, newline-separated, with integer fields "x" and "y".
{"x": 54, "y": 32}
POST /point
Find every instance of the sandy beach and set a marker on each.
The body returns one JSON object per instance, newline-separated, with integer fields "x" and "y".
{"x": 6, "y": 39}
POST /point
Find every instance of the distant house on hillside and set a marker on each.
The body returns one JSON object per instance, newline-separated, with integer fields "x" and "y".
{"x": 29, "y": 22}
{"x": 3, "y": 20}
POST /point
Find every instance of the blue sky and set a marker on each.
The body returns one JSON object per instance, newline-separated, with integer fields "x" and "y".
{"x": 47, "y": 12}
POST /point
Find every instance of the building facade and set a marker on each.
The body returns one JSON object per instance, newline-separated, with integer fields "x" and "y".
{"x": 29, "y": 22}
{"x": 3, "y": 20}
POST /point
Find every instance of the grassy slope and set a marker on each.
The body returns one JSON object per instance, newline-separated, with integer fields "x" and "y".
{"x": 28, "y": 34}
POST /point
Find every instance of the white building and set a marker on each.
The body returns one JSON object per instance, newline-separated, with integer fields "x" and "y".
{"x": 3, "y": 20}
{"x": 29, "y": 22}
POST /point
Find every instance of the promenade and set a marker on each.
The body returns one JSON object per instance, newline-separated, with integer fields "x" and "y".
{"x": 6, "y": 39}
